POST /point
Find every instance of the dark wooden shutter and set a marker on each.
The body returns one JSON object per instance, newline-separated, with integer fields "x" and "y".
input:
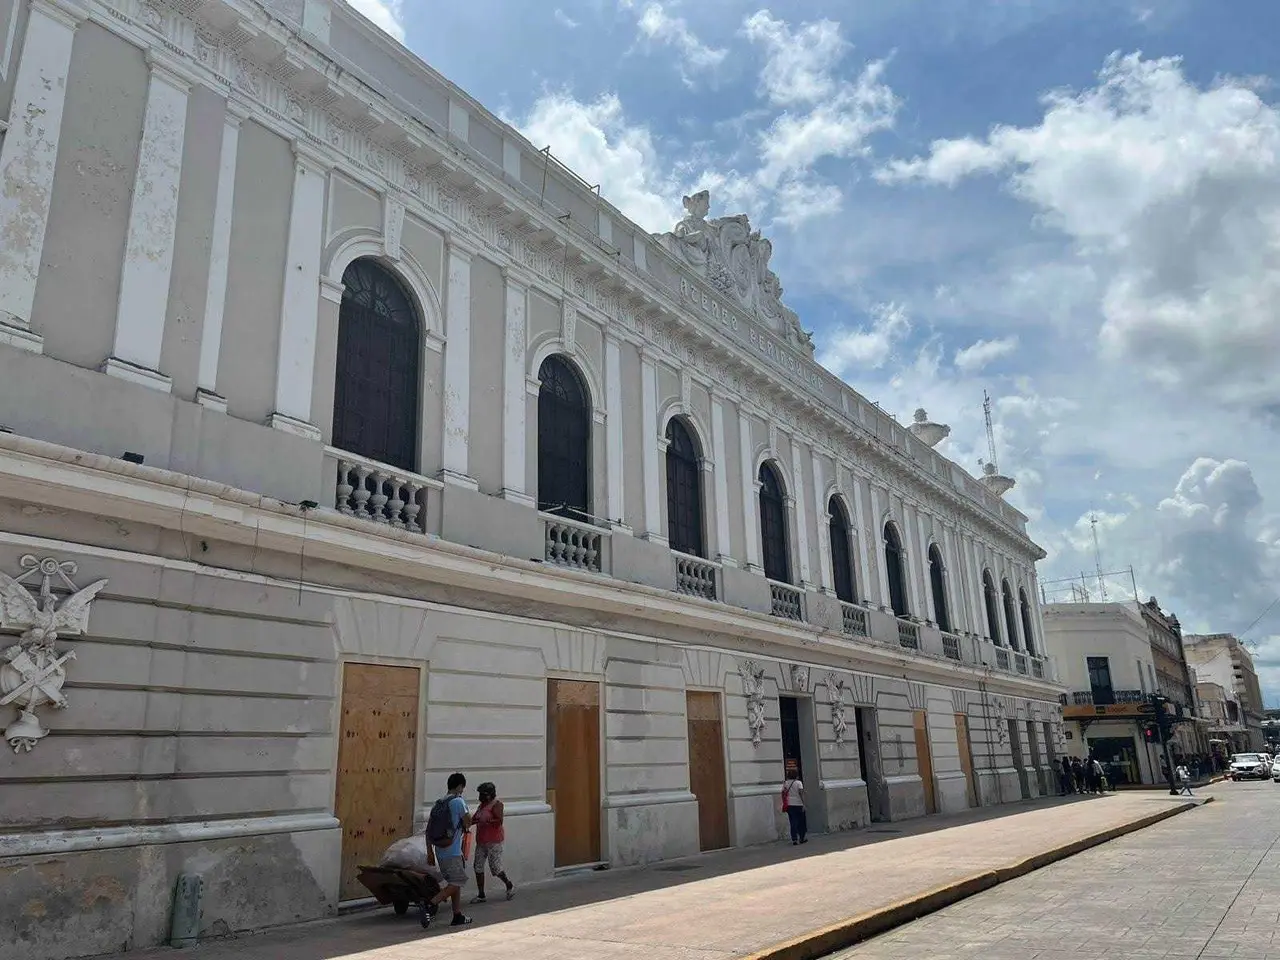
{"x": 564, "y": 441}
{"x": 684, "y": 491}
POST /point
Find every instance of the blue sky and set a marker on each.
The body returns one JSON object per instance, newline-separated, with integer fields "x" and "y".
{"x": 1072, "y": 204}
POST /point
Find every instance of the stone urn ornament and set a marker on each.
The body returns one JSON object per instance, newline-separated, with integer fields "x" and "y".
{"x": 33, "y": 670}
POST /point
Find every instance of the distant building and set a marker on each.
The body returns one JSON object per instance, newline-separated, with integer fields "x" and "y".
{"x": 1222, "y": 659}
{"x": 1112, "y": 657}
{"x": 1223, "y": 716}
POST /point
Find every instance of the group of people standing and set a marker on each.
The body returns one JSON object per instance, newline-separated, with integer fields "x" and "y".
{"x": 1081, "y": 776}
{"x": 448, "y": 834}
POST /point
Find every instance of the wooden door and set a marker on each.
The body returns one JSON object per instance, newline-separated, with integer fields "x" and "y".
{"x": 924, "y": 761}
{"x": 573, "y": 769}
{"x": 377, "y": 758}
{"x": 966, "y": 759}
{"x": 706, "y": 768}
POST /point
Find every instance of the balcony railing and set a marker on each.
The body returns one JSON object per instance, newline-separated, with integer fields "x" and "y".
{"x": 1002, "y": 658}
{"x": 572, "y": 544}
{"x": 1020, "y": 663}
{"x": 379, "y": 492}
{"x": 908, "y": 635}
{"x": 695, "y": 577}
{"x": 1037, "y": 669}
{"x": 785, "y": 601}
{"x": 853, "y": 620}
{"x": 950, "y": 646}
{"x": 1087, "y": 698}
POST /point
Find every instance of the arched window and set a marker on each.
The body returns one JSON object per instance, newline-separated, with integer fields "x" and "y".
{"x": 895, "y": 569}
{"x": 841, "y": 556}
{"x": 990, "y": 603}
{"x": 375, "y": 398}
{"x": 684, "y": 491}
{"x": 564, "y": 440}
{"x": 1010, "y": 617}
{"x": 937, "y": 584}
{"x": 1026, "y": 622}
{"x": 773, "y": 525}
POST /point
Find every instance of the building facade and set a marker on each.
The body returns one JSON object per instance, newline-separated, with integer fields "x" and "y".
{"x": 1226, "y": 729}
{"x": 349, "y": 440}
{"x": 1105, "y": 660}
{"x": 1222, "y": 659}
{"x": 1174, "y": 678}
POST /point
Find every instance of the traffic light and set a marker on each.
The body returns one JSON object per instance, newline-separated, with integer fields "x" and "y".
{"x": 1151, "y": 731}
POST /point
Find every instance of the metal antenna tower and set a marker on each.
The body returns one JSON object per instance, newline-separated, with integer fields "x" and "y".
{"x": 1097, "y": 557}
{"x": 991, "y": 433}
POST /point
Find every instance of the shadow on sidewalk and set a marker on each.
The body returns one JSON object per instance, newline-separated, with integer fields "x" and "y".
{"x": 369, "y": 928}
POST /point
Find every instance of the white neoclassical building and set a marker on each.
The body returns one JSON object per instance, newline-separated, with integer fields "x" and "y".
{"x": 349, "y": 440}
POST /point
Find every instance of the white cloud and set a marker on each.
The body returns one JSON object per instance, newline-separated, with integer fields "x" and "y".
{"x": 658, "y": 26}
{"x": 976, "y": 356}
{"x": 385, "y": 14}
{"x": 596, "y": 141}
{"x": 801, "y": 63}
{"x": 849, "y": 351}
{"x": 1172, "y": 193}
{"x": 801, "y": 200}
{"x": 564, "y": 19}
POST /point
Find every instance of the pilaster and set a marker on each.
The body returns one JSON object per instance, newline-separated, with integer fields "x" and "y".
{"x": 219, "y": 259}
{"x": 862, "y": 577}
{"x": 613, "y": 440}
{"x": 822, "y": 524}
{"x": 804, "y": 564}
{"x": 28, "y": 161}
{"x": 750, "y": 495}
{"x": 514, "y": 394}
{"x": 882, "y": 569}
{"x": 926, "y": 586}
{"x": 720, "y": 481}
{"x": 457, "y": 368}
{"x": 301, "y": 302}
{"x": 651, "y": 447}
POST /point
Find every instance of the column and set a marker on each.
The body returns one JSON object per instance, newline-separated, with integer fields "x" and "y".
{"x": 861, "y": 538}
{"x": 804, "y": 566}
{"x": 975, "y": 583}
{"x": 28, "y": 161}
{"x": 750, "y": 494}
{"x": 877, "y": 511}
{"x": 910, "y": 547}
{"x": 1033, "y": 597}
{"x": 614, "y": 459}
{"x": 650, "y": 445}
{"x": 515, "y": 428}
{"x": 823, "y": 520}
{"x": 957, "y": 594}
{"x": 219, "y": 260}
{"x": 153, "y": 223}
{"x": 926, "y": 581}
{"x": 457, "y": 369}
{"x": 295, "y": 365}
{"x": 721, "y": 482}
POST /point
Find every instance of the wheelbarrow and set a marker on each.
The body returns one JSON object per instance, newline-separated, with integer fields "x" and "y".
{"x": 401, "y": 888}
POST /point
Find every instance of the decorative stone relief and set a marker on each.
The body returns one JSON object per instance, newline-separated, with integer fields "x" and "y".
{"x": 753, "y": 688}
{"x": 735, "y": 260}
{"x": 32, "y": 671}
{"x": 800, "y": 678}
{"x": 835, "y": 695}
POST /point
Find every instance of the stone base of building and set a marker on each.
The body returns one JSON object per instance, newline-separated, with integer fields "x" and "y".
{"x": 847, "y": 804}
{"x": 906, "y": 797}
{"x": 998, "y": 786}
{"x": 645, "y": 831}
{"x": 952, "y": 791}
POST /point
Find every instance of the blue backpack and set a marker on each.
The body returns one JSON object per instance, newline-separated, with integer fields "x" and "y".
{"x": 440, "y": 823}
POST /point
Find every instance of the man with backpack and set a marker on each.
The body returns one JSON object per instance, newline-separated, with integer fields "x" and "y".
{"x": 447, "y": 825}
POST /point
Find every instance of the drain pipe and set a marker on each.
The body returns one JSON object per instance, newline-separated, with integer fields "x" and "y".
{"x": 188, "y": 894}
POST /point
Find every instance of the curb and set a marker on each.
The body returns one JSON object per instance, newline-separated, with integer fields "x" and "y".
{"x": 847, "y": 933}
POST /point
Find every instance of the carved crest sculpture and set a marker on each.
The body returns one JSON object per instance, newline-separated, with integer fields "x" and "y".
{"x": 800, "y": 678}
{"x": 32, "y": 671}
{"x": 734, "y": 259}
{"x": 753, "y": 688}
{"x": 835, "y": 695}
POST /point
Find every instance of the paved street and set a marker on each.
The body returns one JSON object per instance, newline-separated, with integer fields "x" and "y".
{"x": 1204, "y": 884}
{"x": 718, "y": 906}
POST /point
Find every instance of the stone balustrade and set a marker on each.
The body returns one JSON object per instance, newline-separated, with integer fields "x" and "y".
{"x": 696, "y": 577}
{"x": 785, "y": 601}
{"x": 379, "y": 492}
{"x": 853, "y": 620}
{"x": 573, "y": 544}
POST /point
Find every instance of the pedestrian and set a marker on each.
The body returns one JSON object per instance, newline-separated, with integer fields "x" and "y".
{"x": 1077, "y": 775}
{"x": 490, "y": 836}
{"x": 1099, "y": 775}
{"x": 447, "y": 825}
{"x": 1184, "y": 781}
{"x": 793, "y": 804}
{"x": 1064, "y": 776}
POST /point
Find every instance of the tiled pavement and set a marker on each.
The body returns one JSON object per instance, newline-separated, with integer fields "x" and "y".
{"x": 1202, "y": 885}
{"x": 712, "y": 907}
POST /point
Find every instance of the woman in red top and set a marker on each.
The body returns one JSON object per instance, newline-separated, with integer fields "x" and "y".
{"x": 490, "y": 835}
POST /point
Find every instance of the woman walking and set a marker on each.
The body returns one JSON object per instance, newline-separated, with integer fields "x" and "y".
{"x": 793, "y": 804}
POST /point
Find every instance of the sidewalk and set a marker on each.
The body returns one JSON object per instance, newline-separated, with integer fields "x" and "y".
{"x": 718, "y": 906}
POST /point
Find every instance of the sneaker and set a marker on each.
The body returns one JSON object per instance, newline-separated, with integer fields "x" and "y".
{"x": 511, "y": 891}
{"x": 479, "y": 898}
{"x": 460, "y": 921}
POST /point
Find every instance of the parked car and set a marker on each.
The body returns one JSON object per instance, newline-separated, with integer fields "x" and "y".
{"x": 1249, "y": 766}
{"x": 1275, "y": 773}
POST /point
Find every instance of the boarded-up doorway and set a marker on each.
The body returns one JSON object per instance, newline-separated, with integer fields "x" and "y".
{"x": 869, "y": 763}
{"x": 706, "y": 768}
{"x": 966, "y": 759}
{"x": 377, "y": 758}
{"x": 924, "y": 760}
{"x": 573, "y": 769}
{"x": 1019, "y": 761}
